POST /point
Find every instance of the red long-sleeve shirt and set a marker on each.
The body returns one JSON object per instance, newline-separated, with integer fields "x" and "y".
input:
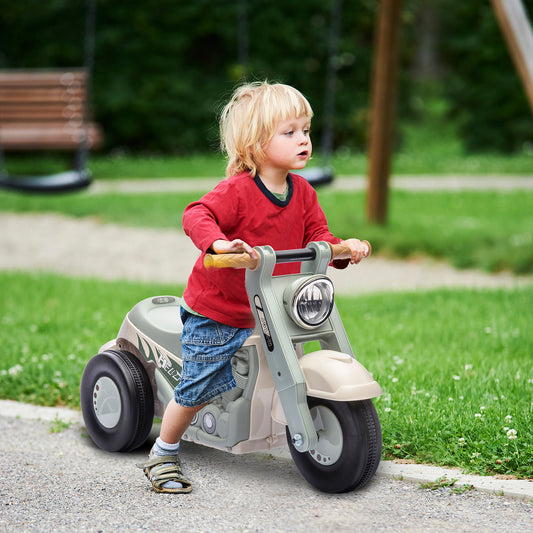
{"x": 241, "y": 207}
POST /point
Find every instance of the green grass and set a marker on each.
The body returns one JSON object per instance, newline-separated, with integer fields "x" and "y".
{"x": 442, "y": 358}
{"x": 139, "y": 210}
{"x": 439, "y": 156}
{"x": 109, "y": 167}
{"x": 488, "y": 230}
{"x": 51, "y": 326}
{"x": 456, "y": 370}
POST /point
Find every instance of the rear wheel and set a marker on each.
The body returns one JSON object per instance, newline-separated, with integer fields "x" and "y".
{"x": 349, "y": 445}
{"x": 117, "y": 401}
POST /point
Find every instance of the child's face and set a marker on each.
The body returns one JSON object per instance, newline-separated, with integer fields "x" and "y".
{"x": 290, "y": 147}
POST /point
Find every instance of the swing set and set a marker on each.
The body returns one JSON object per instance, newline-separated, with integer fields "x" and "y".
{"x": 516, "y": 28}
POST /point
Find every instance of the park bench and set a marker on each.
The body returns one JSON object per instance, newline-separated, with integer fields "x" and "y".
{"x": 47, "y": 110}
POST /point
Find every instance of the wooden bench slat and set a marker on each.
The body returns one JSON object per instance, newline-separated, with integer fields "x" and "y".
{"x": 44, "y": 78}
{"x": 38, "y": 94}
{"x": 49, "y": 112}
{"x": 57, "y": 138}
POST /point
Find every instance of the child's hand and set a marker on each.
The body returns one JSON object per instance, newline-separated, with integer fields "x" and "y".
{"x": 236, "y": 246}
{"x": 360, "y": 249}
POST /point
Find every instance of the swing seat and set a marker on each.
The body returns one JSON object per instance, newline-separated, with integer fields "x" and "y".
{"x": 60, "y": 182}
{"x": 317, "y": 176}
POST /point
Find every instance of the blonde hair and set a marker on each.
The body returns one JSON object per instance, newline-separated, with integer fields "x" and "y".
{"x": 249, "y": 120}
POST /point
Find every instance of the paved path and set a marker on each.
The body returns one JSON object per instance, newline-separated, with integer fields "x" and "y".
{"x": 60, "y": 482}
{"x": 85, "y": 247}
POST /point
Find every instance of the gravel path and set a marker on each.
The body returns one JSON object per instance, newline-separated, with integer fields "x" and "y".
{"x": 344, "y": 183}
{"x": 59, "y": 482}
{"x": 85, "y": 247}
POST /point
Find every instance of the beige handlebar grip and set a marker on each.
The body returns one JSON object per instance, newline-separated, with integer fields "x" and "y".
{"x": 230, "y": 261}
{"x": 342, "y": 251}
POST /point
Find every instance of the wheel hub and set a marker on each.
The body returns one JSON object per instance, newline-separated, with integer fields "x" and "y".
{"x": 106, "y": 402}
{"x": 329, "y": 431}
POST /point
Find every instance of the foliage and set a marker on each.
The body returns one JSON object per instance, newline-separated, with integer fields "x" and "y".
{"x": 164, "y": 68}
{"x": 484, "y": 89}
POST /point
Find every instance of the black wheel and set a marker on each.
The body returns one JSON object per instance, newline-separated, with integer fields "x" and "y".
{"x": 117, "y": 401}
{"x": 349, "y": 445}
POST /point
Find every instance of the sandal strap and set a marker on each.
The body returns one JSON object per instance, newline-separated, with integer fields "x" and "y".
{"x": 160, "y": 469}
{"x": 155, "y": 460}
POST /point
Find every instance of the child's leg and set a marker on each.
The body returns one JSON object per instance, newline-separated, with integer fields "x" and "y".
{"x": 207, "y": 349}
{"x": 176, "y": 420}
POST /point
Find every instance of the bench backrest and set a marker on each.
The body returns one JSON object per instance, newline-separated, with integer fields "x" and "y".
{"x": 45, "y": 109}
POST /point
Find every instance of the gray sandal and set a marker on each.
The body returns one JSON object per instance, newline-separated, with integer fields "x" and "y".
{"x": 160, "y": 469}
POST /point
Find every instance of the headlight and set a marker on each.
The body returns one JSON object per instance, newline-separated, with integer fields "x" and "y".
{"x": 310, "y": 302}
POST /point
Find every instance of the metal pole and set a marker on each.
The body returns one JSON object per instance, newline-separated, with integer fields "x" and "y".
{"x": 90, "y": 23}
{"x": 243, "y": 42}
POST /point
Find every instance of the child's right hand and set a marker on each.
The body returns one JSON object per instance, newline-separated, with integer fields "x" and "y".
{"x": 358, "y": 249}
{"x": 221, "y": 246}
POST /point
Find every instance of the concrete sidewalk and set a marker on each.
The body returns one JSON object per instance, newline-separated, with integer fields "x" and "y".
{"x": 59, "y": 481}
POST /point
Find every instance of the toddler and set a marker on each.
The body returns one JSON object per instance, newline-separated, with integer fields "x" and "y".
{"x": 265, "y": 134}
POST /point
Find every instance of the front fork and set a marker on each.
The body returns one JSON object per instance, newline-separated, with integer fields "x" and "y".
{"x": 287, "y": 373}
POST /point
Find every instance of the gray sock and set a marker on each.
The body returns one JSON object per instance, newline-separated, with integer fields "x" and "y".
{"x": 162, "y": 448}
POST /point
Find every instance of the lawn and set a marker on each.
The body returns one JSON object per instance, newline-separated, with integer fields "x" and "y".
{"x": 455, "y": 366}
{"x": 437, "y": 158}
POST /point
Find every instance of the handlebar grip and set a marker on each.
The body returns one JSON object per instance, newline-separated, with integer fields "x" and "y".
{"x": 243, "y": 260}
{"x": 230, "y": 261}
{"x": 342, "y": 251}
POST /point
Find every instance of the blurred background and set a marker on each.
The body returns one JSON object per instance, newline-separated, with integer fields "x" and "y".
{"x": 163, "y": 68}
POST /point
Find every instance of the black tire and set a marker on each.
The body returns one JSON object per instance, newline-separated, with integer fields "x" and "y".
{"x": 117, "y": 401}
{"x": 356, "y": 450}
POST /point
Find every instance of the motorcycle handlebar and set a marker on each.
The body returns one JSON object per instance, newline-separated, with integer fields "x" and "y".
{"x": 244, "y": 260}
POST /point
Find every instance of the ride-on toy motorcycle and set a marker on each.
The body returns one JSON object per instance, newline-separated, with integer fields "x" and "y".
{"x": 319, "y": 402}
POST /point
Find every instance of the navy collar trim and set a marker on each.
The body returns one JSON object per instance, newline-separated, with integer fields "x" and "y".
{"x": 272, "y": 197}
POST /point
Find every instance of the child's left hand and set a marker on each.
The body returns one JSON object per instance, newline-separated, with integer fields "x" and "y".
{"x": 360, "y": 249}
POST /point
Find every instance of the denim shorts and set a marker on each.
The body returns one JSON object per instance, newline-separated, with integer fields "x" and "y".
{"x": 207, "y": 348}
